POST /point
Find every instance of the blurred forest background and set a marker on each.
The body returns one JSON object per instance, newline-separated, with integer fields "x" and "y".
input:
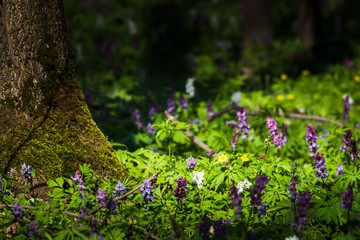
{"x": 136, "y": 54}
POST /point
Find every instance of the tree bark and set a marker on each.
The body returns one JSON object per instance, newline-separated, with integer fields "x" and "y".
{"x": 44, "y": 121}
{"x": 258, "y": 29}
{"x": 309, "y": 22}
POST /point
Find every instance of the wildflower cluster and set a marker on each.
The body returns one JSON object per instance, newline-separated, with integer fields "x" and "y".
{"x": 243, "y": 185}
{"x": 81, "y": 184}
{"x": 180, "y": 190}
{"x": 243, "y": 126}
{"x": 150, "y": 129}
{"x": 26, "y": 172}
{"x": 135, "y": 116}
{"x": 319, "y": 164}
{"x": 257, "y": 192}
{"x": 171, "y": 104}
{"x": 348, "y": 198}
{"x": 301, "y": 210}
{"x": 119, "y": 189}
{"x": 100, "y": 196}
{"x": 183, "y": 101}
{"x": 349, "y": 145}
{"x": 347, "y": 107}
{"x": 292, "y": 190}
{"x": 311, "y": 137}
{"x": 339, "y": 170}
{"x": 279, "y": 138}
{"x": 198, "y": 178}
{"x": 146, "y": 192}
{"x": 236, "y": 197}
{"x": 191, "y": 163}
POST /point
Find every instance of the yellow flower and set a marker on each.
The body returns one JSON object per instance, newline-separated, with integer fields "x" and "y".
{"x": 129, "y": 223}
{"x": 244, "y": 158}
{"x": 357, "y": 78}
{"x": 305, "y": 72}
{"x": 280, "y": 97}
{"x": 316, "y": 96}
{"x": 290, "y": 96}
{"x": 113, "y": 113}
{"x": 284, "y": 76}
{"x": 223, "y": 158}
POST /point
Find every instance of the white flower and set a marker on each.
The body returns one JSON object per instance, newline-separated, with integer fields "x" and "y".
{"x": 244, "y": 184}
{"x": 132, "y": 27}
{"x": 189, "y": 87}
{"x": 292, "y": 238}
{"x": 236, "y": 98}
{"x": 198, "y": 178}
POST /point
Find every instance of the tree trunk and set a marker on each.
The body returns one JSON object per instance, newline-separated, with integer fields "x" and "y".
{"x": 258, "y": 29}
{"x": 44, "y": 121}
{"x": 309, "y": 22}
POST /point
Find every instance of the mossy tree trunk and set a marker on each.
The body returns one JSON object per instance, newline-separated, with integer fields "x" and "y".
{"x": 44, "y": 120}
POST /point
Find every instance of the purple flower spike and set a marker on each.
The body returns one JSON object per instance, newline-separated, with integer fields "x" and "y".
{"x": 292, "y": 190}
{"x": 339, "y": 170}
{"x": 32, "y": 230}
{"x": 204, "y": 230}
{"x": 320, "y": 168}
{"x": 150, "y": 129}
{"x": 77, "y": 176}
{"x": 347, "y": 107}
{"x": 191, "y": 163}
{"x": 346, "y": 140}
{"x": 262, "y": 210}
{"x": 236, "y": 197}
{"x": 146, "y": 193}
{"x": 301, "y": 211}
{"x": 348, "y": 198}
{"x": 279, "y": 138}
{"x": 243, "y": 126}
{"x": 135, "y": 116}
{"x": 17, "y": 210}
{"x": 100, "y": 196}
{"x": 183, "y": 102}
{"x": 257, "y": 191}
{"x": 26, "y": 171}
{"x": 171, "y": 104}
{"x": 311, "y": 137}
{"x": 180, "y": 189}
{"x": 119, "y": 189}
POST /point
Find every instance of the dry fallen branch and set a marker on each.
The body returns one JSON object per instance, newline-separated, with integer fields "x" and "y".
{"x": 202, "y": 145}
{"x": 280, "y": 114}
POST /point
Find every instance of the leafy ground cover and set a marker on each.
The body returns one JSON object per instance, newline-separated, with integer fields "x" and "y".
{"x": 277, "y": 165}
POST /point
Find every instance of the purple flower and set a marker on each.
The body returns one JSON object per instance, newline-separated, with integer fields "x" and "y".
{"x": 191, "y": 163}
{"x": 32, "y": 230}
{"x": 219, "y": 227}
{"x": 204, "y": 230}
{"x": 320, "y": 168}
{"x": 81, "y": 185}
{"x": 311, "y": 137}
{"x": 353, "y": 150}
{"x": 262, "y": 210}
{"x": 236, "y": 198}
{"x": 155, "y": 150}
{"x": 180, "y": 189}
{"x": 17, "y": 210}
{"x": 1, "y": 187}
{"x": 135, "y": 116}
{"x": 77, "y": 177}
{"x": 301, "y": 211}
{"x": 348, "y": 63}
{"x": 150, "y": 129}
{"x": 256, "y": 191}
{"x": 235, "y": 139}
{"x": 348, "y": 198}
{"x": 209, "y": 109}
{"x": 292, "y": 190}
{"x": 346, "y": 140}
{"x": 154, "y": 109}
{"x": 279, "y": 138}
{"x": 243, "y": 126}
{"x": 100, "y": 196}
{"x": 112, "y": 206}
{"x": 119, "y": 189}
{"x": 347, "y": 107}
{"x": 171, "y": 104}
{"x": 339, "y": 170}
{"x": 183, "y": 101}
{"x": 26, "y": 171}
{"x": 146, "y": 193}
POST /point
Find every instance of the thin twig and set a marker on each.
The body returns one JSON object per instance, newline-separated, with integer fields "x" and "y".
{"x": 280, "y": 114}
{"x": 202, "y": 145}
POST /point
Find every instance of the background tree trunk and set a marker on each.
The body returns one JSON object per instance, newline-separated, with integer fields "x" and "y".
{"x": 44, "y": 120}
{"x": 309, "y": 22}
{"x": 258, "y": 29}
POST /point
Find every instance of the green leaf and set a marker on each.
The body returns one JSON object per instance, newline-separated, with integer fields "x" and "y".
{"x": 217, "y": 181}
